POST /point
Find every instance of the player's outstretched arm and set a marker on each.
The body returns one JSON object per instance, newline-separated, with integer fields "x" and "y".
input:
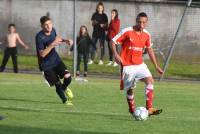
{"x": 43, "y": 53}
{"x": 21, "y": 42}
{"x": 68, "y": 41}
{"x": 115, "y": 53}
{"x": 154, "y": 61}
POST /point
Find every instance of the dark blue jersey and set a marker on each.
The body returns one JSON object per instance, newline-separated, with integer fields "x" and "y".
{"x": 43, "y": 41}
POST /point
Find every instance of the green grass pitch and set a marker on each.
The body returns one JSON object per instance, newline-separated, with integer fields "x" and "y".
{"x": 31, "y": 107}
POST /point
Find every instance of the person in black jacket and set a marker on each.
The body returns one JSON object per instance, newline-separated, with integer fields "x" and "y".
{"x": 83, "y": 46}
{"x": 100, "y": 23}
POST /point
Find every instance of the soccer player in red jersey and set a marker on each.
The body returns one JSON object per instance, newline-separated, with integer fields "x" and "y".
{"x": 133, "y": 41}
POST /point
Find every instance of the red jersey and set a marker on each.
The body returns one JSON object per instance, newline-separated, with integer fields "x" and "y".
{"x": 132, "y": 45}
{"x": 113, "y": 28}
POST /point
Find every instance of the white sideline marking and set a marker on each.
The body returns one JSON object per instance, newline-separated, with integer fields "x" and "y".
{"x": 85, "y": 112}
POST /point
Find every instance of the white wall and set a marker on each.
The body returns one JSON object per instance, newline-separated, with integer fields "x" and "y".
{"x": 163, "y": 20}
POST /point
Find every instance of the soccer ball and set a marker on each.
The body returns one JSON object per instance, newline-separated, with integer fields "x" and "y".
{"x": 141, "y": 114}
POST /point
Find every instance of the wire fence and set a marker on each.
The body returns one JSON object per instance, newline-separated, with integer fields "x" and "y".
{"x": 164, "y": 18}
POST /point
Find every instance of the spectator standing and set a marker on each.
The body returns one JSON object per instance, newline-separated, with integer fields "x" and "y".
{"x": 100, "y": 23}
{"x": 113, "y": 29}
{"x": 83, "y": 46}
{"x": 12, "y": 38}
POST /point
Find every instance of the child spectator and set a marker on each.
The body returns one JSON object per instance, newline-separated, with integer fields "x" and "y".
{"x": 11, "y": 50}
{"x": 83, "y": 46}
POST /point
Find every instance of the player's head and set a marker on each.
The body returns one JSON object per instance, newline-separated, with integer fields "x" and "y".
{"x": 100, "y": 8}
{"x": 83, "y": 30}
{"x": 141, "y": 20}
{"x": 46, "y": 24}
{"x": 11, "y": 28}
{"x": 114, "y": 14}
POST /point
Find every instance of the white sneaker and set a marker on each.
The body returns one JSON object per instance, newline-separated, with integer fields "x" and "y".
{"x": 90, "y": 62}
{"x": 115, "y": 64}
{"x": 78, "y": 78}
{"x": 100, "y": 62}
{"x": 85, "y": 80}
{"x": 109, "y": 64}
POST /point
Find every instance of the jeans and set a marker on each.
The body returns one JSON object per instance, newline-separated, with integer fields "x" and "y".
{"x": 110, "y": 50}
{"x": 85, "y": 61}
{"x": 94, "y": 47}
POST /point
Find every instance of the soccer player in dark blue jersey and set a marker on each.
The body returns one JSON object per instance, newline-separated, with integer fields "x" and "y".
{"x": 49, "y": 61}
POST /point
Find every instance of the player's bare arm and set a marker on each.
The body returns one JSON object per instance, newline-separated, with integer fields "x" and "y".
{"x": 45, "y": 52}
{"x": 115, "y": 53}
{"x": 21, "y": 42}
{"x": 154, "y": 61}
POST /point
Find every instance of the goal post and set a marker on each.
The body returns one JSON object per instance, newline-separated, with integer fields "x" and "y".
{"x": 174, "y": 40}
{"x": 74, "y": 39}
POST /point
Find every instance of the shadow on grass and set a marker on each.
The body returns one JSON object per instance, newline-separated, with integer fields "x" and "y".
{"x": 112, "y": 116}
{"x": 25, "y": 100}
{"x": 30, "y": 130}
{"x": 2, "y": 117}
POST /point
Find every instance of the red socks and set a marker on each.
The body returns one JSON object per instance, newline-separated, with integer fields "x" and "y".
{"x": 149, "y": 96}
{"x": 131, "y": 103}
{"x": 149, "y": 99}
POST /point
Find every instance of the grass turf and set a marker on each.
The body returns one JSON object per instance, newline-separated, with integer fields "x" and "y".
{"x": 30, "y": 106}
{"x": 178, "y": 68}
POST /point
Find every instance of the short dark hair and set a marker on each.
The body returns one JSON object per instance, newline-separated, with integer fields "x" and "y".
{"x": 142, "y": 14}
{"x": 11, "y": 25}
{"x": 43, "y": 19}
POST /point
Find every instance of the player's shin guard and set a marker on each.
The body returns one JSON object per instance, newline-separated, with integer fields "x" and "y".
{"x": 66, "y": 82}
{"x": 60, "y": 92}
{"x": 131, "y": 103}
{"x": 149, "y": 96}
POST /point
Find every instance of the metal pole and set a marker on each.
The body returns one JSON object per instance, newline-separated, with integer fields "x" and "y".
{"x": 174, "y": 40}
{"x": 74, "y": 38}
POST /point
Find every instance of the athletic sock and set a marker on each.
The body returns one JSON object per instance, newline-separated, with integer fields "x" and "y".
{"x": 60, "y": 92}
{"x": 66, "y": 82}
{"x": 149, "y": 96}
{"x": 131, "y": 103}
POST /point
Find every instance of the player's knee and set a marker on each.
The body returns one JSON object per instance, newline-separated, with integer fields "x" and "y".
{"x": 149, "y": 86}
{"x": 67, "y": 80}
{"x": 129, "y": 92}
{"x": 150, "y": 80}
{"x": 67, "y": 75}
